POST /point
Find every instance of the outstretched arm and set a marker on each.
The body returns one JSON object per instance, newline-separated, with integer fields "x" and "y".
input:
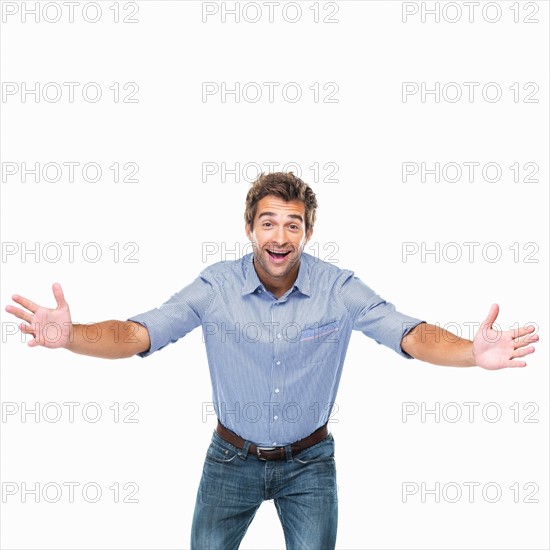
{"x": 52, "y": 328}
{"x": 491, "y": 349}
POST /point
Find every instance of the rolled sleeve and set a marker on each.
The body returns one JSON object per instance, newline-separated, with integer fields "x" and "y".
{"x": 375, "y": 317}
{"x": 176, "y": 317}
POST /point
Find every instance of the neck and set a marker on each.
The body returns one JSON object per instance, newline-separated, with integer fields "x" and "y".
{"x": 277, "y": 285}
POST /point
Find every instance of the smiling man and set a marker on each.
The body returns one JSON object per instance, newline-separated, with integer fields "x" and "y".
{"x": 276, "y": 326}
{"x": 278, "y": 231}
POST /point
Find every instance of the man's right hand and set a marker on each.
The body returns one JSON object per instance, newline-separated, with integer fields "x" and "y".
{"x": 51, "y": 328}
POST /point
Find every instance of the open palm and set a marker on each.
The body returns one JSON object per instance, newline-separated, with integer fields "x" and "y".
{"x": 51, "y": 328}
{"x": 497, "y": 349}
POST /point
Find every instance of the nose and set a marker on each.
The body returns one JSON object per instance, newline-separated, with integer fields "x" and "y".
{"x": 280, "y": 236}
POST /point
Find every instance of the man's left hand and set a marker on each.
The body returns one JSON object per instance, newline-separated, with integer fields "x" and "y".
{"x": 499, "y": 349}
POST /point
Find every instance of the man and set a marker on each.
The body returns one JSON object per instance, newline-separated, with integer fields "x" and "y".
{"x": 276, "y": 325}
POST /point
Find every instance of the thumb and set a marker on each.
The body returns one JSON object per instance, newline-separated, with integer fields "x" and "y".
{"x": 58, "y": 294}
{"x": 491, "y": 318}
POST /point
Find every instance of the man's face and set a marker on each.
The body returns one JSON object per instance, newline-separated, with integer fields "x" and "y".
{"x": 278, "y": 237}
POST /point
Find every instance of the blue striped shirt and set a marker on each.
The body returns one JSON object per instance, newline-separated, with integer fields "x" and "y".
{"x": 275, "y": 364}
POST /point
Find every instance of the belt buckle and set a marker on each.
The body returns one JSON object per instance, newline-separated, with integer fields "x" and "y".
{"x": 258, "y": 449}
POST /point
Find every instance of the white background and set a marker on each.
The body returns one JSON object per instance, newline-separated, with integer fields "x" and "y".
{"x": 366, "y": 216}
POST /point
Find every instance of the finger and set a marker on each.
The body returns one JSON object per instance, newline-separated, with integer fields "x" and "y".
{"x": 522, "y": 352}
{"x": 527, "y": 340}
{"x": 25, "y": 302}
{"x": 27, "y": 329}
{"x": 514, "y": 364}
{"x": 58, "y": 295}
{"x": 32, "y": 343}
{"x": 491, "y": 318}
{"x": 519, "y": 332}
{"x": 19, "y": 313}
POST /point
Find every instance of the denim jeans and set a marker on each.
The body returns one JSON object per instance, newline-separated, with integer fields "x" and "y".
{"x": 234, "y": 483}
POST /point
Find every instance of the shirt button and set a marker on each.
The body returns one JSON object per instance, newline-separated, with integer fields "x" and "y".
{"x": 279, "y": 335}
{"x": 259, "y": 290}
{"x": 275, "y": 417}
{"x": 277, "y": 390}
{"x": 278, "y": 363}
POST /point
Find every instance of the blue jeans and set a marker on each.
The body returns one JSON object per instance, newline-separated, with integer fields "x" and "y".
{"x": 234, "y": 483}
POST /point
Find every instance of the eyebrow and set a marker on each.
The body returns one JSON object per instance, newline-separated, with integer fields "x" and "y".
{"x": 292, "y": 216}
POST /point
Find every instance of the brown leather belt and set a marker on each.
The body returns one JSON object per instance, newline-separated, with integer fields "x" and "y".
{"x": 268, "y": 453}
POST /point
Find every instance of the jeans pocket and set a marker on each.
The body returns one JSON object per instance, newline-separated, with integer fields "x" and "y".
{"x": 315, "y": 470}
{"x": 227, "y": 480}
{"x": 220, "y": 452}
{"x": 320, "y": 452}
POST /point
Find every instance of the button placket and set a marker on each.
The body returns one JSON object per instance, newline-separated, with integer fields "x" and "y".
{"x": 276, "y": 373}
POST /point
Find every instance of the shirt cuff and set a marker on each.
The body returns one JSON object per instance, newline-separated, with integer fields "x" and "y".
{"x": 407, "y": 327}
{"x": 153, "y": 322}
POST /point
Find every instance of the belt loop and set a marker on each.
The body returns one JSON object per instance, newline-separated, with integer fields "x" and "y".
{"x": 288, "y": 452}
{"x": 244, "y": 453}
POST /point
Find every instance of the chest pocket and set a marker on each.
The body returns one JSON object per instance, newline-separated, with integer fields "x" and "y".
{"x": 319, "y": 343}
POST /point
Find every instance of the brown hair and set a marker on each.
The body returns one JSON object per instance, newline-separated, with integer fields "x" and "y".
{"x": 284, "y": 185}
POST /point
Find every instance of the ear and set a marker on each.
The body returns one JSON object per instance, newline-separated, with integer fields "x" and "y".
{"x": 247, "y": 231}
{"x": 309, "y": 234}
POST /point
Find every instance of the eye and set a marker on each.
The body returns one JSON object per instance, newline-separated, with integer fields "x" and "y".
{"x": 266, "y": 224}
{"x": 294, "y": 227}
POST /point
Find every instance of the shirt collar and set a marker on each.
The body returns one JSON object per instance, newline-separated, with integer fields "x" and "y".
{"x": 252, "y": 281}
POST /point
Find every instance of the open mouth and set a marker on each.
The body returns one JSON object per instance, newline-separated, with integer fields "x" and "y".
{"x": 278, "y": 256}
